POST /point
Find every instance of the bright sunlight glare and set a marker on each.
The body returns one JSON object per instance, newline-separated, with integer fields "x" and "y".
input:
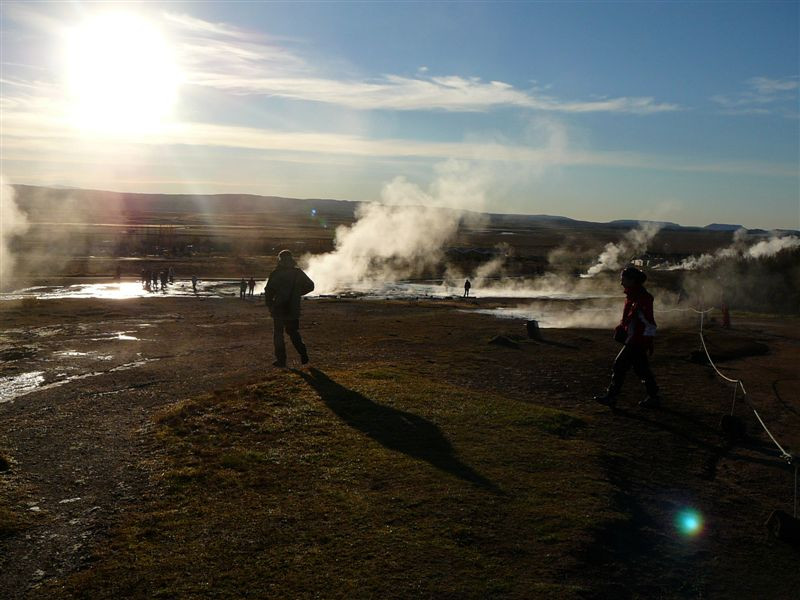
{"x": 121, "y": 74}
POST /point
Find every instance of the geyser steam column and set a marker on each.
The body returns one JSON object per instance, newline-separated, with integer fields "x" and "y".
{"x": 616, "y": 256}
{"x": 12, "y": 223}
{"x": 403, "y": 235}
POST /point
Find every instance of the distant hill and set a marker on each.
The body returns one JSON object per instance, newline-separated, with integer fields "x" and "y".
{"x": 99, "y": 206}
{"x": 723, "y": 227}
{"x": 628, "y": 223}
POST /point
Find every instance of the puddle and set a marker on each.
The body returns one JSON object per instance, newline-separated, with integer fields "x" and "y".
{"x": 125, "y": 290}
{"x": 511, "y": 288}
{"x": 124, "y": 336}
{"x": 77, "y": 354}
{"x": 19, "y": 385}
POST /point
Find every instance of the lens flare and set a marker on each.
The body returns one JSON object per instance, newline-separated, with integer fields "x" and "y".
{"x": 689, "y": 522}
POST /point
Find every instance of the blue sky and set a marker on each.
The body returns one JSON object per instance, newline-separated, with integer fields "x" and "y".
{"x": 678, "y": 111}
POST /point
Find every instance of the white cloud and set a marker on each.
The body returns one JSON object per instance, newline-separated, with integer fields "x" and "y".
{"x": 26, "y": 134}
{"x": 765, "y": 85}
{"x": 241, "y": 62}
{"x": 223, "y": 57}
{"x": 762, "y": 96}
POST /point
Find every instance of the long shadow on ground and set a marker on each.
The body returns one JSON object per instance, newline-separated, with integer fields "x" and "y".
{"x": 394, "y": 429}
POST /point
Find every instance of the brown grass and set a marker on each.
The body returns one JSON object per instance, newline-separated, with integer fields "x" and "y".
{"x": 371, "y": 483}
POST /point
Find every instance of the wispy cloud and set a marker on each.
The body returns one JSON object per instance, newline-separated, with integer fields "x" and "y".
{"x": 224, "y": 57}
{"x": 236, "y": 61}
{"x": 762, "y": 96}
{"x": 45, "y": 134}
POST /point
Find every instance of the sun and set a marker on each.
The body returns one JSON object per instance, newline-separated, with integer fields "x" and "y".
{"x": 121, "y": 75}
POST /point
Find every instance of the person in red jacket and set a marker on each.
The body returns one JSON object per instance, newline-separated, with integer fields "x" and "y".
{"x": 635, "y": 332}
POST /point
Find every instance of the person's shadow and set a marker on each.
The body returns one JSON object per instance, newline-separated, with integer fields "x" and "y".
{"x": 392, "y": 428}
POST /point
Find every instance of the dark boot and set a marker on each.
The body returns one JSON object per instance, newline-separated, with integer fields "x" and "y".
{"x": 650, "y": 401}
{"x": 607, "y": 399}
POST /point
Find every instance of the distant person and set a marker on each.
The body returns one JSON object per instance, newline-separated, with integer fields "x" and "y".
{"x": 726, "y": 312}
{"x": 163, "y": 275}
{"x": 171, "y": 275}
{"x": 251, "y": 286}
{"x": 635, "y": 332}
{"x": 145, "y": 278}
{"x": 154, "y": 275}
{"x": 194, "y": 283}
{"x": 467, "y": 287}
{"x": 242, "y": 288}
{"x": 285, "y": 286}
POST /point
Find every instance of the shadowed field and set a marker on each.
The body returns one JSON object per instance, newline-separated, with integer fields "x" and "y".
{"x": 413, "y": 459}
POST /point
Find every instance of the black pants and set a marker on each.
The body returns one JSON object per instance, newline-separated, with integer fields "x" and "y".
{"x": 628, "y": 357}
{"x": 292, "y": 327}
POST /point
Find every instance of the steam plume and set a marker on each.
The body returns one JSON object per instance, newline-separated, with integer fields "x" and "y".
{"x": 404, "y": 235}
{"x": 12, "y": 223}
{"x": 615, "y": 256}
{"x": 739, "y": 248}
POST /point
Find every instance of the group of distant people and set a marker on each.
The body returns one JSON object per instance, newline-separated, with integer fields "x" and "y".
{"x": 151, "y": 279}
{"x": 246, "y": 288}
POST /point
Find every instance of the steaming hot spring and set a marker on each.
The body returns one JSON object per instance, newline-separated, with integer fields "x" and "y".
{"x": 550, "y": 300}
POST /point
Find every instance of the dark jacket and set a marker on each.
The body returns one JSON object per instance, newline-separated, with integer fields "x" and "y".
{"x": 638, "y": 321}
{"x": 285, "y": 286}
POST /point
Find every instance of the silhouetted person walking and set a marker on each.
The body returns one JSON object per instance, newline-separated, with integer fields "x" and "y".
{"x": 635, "y": 331}
{"x": 467, "y": 287}
{"x": 242, "y": 288}
{"x": 285, "y": 286}
{"x": 251, "y": 286}
{"x": 194, "y": 283}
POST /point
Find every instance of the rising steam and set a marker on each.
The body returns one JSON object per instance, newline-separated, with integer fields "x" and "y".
{"x": 402, "y": 236}
{"x": 12, "y": 223}
{"x": 740, "y": 248}
{"x": 615, "y": 256}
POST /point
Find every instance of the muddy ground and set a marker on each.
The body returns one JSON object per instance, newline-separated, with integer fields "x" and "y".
{"x": 81, "y": 379}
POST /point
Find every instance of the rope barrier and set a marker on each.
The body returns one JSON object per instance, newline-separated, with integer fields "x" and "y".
{"x": 739, "y": 384}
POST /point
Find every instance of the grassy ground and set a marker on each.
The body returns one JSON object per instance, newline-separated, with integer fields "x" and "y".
{"x": 12, "y": 519}
{"x": 418, "y": 461}
{"x": 371, "y": 483}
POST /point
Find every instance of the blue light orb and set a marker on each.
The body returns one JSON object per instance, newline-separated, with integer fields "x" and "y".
{"x": 689, "y": 522}
{"x": 313, "y": 212}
